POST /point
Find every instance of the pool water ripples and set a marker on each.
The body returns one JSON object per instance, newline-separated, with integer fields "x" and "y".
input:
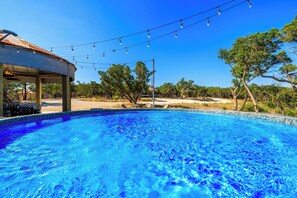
{"x": 149, "y": 154}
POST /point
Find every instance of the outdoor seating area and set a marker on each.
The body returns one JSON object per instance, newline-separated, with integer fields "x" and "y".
{"x": 15, "y": 108}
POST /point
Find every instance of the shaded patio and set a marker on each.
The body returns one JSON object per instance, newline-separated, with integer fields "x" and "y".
{"x": 21, "y": 61}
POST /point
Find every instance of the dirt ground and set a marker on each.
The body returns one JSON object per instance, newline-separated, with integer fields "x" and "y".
{"x": 55, "y": 105}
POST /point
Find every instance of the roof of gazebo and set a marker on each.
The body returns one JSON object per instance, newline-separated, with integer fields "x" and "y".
{"x": 27, "y": 61}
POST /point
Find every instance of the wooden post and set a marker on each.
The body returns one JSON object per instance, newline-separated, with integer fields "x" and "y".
{"x": 38, "y": 93}
{"x": 66, "y": 97}
{"x": 153, "y": 83}
{"x": 1, "y": 90}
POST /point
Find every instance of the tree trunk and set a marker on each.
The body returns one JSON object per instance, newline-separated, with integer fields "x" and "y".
{"x": 244, "y": 102}
{"x": 234, "y": 95}
{"x": 250, "y": 95}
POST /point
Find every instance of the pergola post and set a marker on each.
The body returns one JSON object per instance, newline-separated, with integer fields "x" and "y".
{"x": 66, "y": 96}
{"x": 1, "y": 90}
{"x": 38, "y": 92}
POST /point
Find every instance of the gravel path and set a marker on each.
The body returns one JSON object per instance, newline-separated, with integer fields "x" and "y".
{"x": 55, "y": 105}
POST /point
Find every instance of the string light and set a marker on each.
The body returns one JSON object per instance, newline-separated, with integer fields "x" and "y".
{"x": 120, "y": 41}
{"x": 219, "y": 11}
{"x": 148, "y": 44}
{"x": 181, "y": 24}
{"x": 153, "y": 28}
{"x": 33, "y": 52}
{"x": 2, "y": 47}
{"x": 87, "y": 57}
{"x": 18, "y": 51}
{"x": 126, "y": 51}
{"x": 207, "y": 19}
{"x": 208, "y": 22}
{"x": 51, "y": 49}
{"x": 72, "y": 48}
{"x": 73, "y": 58}
{"x": 175, "y": 35}
{"x": 148, "y": 34}
{"x": 103, "y": 55}
{"x": 94, "y": 46}
{"x": 250, "y": 5}
{"x": 93, "y": 64}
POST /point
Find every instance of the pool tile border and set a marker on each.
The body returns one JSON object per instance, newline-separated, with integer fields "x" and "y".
{"x": 275, "y": 118}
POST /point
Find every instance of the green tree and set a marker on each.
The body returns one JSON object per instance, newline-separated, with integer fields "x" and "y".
{"x": 167, "y": 90}
{"x": 289, "y": 35}
{"x": 254, "y": 55}
{"x": 129, "y": 83}
{"x": 185, "y": 88}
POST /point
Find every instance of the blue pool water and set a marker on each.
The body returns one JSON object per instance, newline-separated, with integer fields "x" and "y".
{"x": 148, "y": 154}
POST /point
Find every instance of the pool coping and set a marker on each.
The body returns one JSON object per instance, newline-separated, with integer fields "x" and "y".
{"x": 275, "y": 118}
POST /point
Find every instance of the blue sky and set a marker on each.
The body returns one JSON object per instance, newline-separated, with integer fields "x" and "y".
{"x": 192, "y": 55}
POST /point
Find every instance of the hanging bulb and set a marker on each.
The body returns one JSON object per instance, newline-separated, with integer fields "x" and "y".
{"x": 75, "y": 62}
{"x": 73, "y": 58}
{"x": 103, "y": 55}
{"x": 2, "y": 48}
{"x": 126, "y": 51}
{"x": 250, "y": 5}
{"x": 94, "y": 46}
{"x": 175, "y": 35}
{"x": 208, "y": 22}
{"x": 33, "y": 52}
{"x": 87, "y": 57}
{"x": 148, "y": 44}
{"x": 120, "y": 41}
{"x": 51, "y": 49}
{"x": 93, "y": 64}
{"x": 219, "y": 11}
{"x": 148, "y": 34}
{"x": 181, "y": 24}
{"x": 18, "y": 51}
{"x": 72, "y": 48}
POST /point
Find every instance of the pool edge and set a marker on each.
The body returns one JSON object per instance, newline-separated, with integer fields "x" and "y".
{"x": 275, "y": 118}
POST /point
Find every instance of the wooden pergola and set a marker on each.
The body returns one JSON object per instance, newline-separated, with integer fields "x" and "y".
{"x": 22, "y": 61}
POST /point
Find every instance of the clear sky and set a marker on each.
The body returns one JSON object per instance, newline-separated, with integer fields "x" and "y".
{"x": 192, "y": 55}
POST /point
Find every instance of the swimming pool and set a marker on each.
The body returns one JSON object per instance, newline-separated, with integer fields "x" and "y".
{"x": 148, "y": 154}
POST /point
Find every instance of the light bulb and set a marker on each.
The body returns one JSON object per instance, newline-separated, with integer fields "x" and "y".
{"x": 51, "y": 49}
{"x": 72, "y": 48}
{"x": 181, "y": 24}
{"x": 2, "y": 47}
{"x": 73, "y": 58}
{"x": 87, "y": 57}
{"x": 94, "y": 46}
{"x": 127, "y": 51}
{"x": 93, "y": 64}
{"x": 81, "y": 67}
{"x": 103, "y": 55}
{"x": 208, "y": 22}
{"x": 148, "y": 34}
{"x": 120, "y": 41}
{"x": 18, "y": 51}
{"x": 250, "y": 5}
{"x": 219, "y": 11}
{"x": 34, "y": 52}
{"x": 148, "y": 44}
{"x": 175, "y": 35}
